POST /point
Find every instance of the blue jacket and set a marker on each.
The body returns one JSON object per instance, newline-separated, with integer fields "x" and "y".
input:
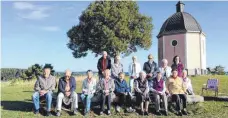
{"x": 62, "y": 84}
{"x": 121, "y": 86}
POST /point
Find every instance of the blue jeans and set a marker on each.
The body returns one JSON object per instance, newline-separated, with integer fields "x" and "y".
{"x": 36, "y": 100}
{"x": 86, "y": 99}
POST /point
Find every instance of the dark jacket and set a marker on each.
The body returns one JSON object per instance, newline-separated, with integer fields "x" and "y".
{"x": 108, "y": 64}
{"x": 121, "y": 86}
{"x": 62, "y": 84}
{"x": 151, "y": 68}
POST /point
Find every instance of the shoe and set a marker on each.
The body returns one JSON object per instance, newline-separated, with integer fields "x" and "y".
{"x": 179, "y": 113}
{"x": 75, "y": 111}
{"x": 130, "y": 110}
{"x": 117, "y": 109}
{"x": 109, "y": 113}
{"x": 166, "y": 113}
{"x": 158, "y": 113}
{"x": 142, "y": 113}
{"x": 184, "y": 112}
{"x": 58, "y": 114}
{"x": 36, "y": 111}
{"x": 85, "y": 112}
{"x": 49, "y": 113}
{"x": 101, "y": 113}
{"x": 146, "y": 113}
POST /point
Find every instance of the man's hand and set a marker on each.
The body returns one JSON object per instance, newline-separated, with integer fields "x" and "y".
{"x": 67, "y": 93}
{"x": 150, "y": 74}
{"x": 42, "y": 92}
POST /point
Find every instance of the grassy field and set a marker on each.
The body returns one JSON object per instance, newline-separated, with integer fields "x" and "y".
{"x": 16, "y": 101}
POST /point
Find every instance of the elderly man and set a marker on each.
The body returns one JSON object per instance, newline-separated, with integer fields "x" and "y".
{"x": 142, "y": 92}
{"x": 134, "y": 69}
{"x": 66, "y": 93}
{"x": 117, "y": 67}
{"x": 44, "y": 86}
{"x": 150, "y": 67}
{"x": 88, "y": 90}
{"x": 177, "y": 90}
{"x": 165, "y": 69}
{"x": 103, "y": 63}
{"x": 106, "y": 86}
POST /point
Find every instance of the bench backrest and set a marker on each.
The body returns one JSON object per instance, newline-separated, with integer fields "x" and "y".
{"x": 212, "y": 83}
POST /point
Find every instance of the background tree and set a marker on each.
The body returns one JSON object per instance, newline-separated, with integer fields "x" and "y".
{"x": 114, "y": 26}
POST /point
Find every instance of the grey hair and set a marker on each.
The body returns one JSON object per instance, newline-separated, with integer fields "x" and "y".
{"x": 164, "y": 60}
{"x": 142, "y": 72}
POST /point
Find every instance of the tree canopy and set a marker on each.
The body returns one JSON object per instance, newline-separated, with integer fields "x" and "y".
{"x": 113, "y": 26}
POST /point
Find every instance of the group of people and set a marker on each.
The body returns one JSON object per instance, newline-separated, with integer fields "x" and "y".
{"x": 158, "y": 82}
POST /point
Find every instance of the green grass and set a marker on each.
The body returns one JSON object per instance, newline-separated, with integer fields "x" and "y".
{"x": 16, "y": 101}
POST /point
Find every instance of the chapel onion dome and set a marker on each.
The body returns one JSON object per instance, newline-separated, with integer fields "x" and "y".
{"x": 180, "y": 22}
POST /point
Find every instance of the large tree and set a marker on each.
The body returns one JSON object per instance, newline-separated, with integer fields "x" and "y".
{"x": 113, "y": 26}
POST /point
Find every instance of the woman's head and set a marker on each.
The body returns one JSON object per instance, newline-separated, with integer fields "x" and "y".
{"x": 176, "y": 59}
{"x": 89, "y": 73}
{"x": 185, "y": 73}
{"x": 159, "y": 75}
{"x": 174, "y": 72}
{"x": 121, "y": 75}
{"x": 117, "y": 59}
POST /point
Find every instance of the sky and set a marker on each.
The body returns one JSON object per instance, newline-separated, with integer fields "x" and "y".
{"x": 35, "y": 32}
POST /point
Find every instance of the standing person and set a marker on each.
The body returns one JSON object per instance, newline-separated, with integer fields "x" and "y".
{"x": 44, "y": 86}
{"x": 117, "y": 67}
{"x": 142, "y": 92}
{"x": 157, "y": 87}
{"x": 103, "y": 63}
{"x": 165, "y": 69}
{"x": 177, "y": 90}
{"x": 150, "y": 67}
{"x": 187, "y": 83}
{"x": 88, "y": 90}
{"x": 134, "y": 70}
{"x": 106, "y": 86}
{"x": 122, "y": 91}
{"x": 66, "y": 93}
{"x": 177, "y": 65}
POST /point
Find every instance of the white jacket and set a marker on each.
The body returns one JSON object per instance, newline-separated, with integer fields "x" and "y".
{"x": 138, "y": 69}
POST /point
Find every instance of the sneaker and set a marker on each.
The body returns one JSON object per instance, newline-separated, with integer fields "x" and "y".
{"x": 85, "y": 112}
{"x": 58, "y": 114}
{"x": 158, "y": 113}
{"x": 36, "y": 111}
{"x": 101, "y": 113}
{"x": 117, "y": 109}
{"x": 75, "y": 111}
{"x": 179, "y": 113}
{"x": 130, "y": 110}
{"x": 109, "y": 113}
{"x": 166, "y": 113}
{"x": 146, "y": 113}
{"x": 184, "y": 112}
{"x": 49, "y": 113}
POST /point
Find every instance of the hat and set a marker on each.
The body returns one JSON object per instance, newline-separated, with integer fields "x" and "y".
{"x": 150, "y": 56}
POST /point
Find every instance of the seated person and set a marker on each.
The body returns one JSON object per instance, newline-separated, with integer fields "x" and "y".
{"x": 44, "y": 86}
{"x": 142, "y": 92}
{"x": 157, "y": 87}
{"x": 106, "y": 86}
{"x": 88, "y": 90}
{"x": 187, "y": 83}
{"x": 176, "y": 88}
{"x": 66, "y": 93}
{"x": 122, "y": 91}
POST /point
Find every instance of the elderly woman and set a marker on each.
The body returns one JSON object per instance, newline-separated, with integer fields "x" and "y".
{"x": 187, "y": 83}
{"x": 117, "y": 67}
{"x": 157, "y": 87}
{"x": 142, "y": 92}
{"x": 178, "y": 65}
{"x": 88, "y": 90}
{"x": 165, "y": 69}
{"x": 106, "y": 86}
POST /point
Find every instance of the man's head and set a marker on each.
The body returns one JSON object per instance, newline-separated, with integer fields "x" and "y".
{"x": 164, "y": 62}
{"x": 121, "y": 75}
{"x": 150, "y": 58}
{"x": 134, "y": 59}
{"x": 104, "y": 54}
{"x": 142, "y": 75}
{"x": 174, "y": 73}
{"x": 67, "y": 74}
{"x": 89, "y": 74}
{"x": 46, "y": 72}
{"x": 159, "y": 75}
{"x": 107, "y": 73}
{"x": 117, "y": 59}
{"x": 185, "y": 73}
